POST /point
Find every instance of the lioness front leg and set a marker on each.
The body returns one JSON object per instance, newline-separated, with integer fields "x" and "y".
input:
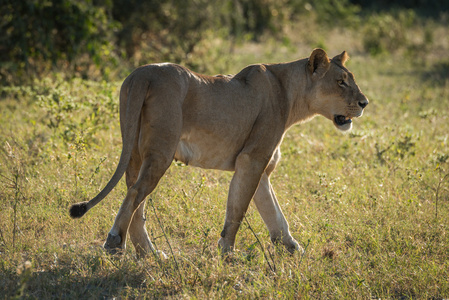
{"x": 269, "y": 209}
{"x": 243, "y": 186}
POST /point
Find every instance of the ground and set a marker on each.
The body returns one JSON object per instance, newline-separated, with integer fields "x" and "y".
{"x": 370, "y": 207}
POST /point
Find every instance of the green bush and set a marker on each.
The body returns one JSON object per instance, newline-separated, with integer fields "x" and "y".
{"x": 40, "y": 34}
{"x": 386, "y": 32}
{"x": 171, "y": 30}
{"x": 337, "y": 12}
{"x": 111, "y": 36}
{"x": 50, "y": 32}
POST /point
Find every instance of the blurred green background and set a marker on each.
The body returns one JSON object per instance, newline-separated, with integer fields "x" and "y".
{"x": 105, "y": 37}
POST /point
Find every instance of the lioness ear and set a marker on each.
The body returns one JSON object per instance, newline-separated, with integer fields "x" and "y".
{"x": 318, "y": 63}
{"x": 343, "y": 57}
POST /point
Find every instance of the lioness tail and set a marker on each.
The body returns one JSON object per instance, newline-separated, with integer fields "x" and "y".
{"x": 137, "y": 88}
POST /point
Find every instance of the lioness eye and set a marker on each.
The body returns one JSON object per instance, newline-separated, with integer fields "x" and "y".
{"x": 341, "y": 82}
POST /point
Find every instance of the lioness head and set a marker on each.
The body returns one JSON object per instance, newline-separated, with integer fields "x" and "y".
{"x": 336, "y": 96}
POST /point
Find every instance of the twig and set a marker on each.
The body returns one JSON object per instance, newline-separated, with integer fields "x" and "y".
{"x": 199, "y": 188}
{"x": 273, "y": 268}
{"x": 97, "y": 169}
{"x": 438, "y": 191}
{"x": 168, "y": 242}
{"x": 1, "y": 236}
{"x": 304, "y": 253}
{"x": 16, "y": 200}
{"x": 158, "y": 258}
{"x": 11, "y": 184}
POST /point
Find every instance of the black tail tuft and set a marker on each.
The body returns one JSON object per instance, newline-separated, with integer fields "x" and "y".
{"x": 78, "y": 210}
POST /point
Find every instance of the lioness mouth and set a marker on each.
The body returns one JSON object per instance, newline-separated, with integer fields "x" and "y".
{"x": 342, "y": 120}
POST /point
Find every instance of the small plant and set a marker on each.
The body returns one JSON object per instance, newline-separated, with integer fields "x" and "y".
{"x": 397, "y": 148}
{"x": 443, "y": 175}
{"x": 14, "y": 182}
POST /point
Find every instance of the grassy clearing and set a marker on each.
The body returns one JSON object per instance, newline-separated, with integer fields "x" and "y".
{"x": 364, "y": 204}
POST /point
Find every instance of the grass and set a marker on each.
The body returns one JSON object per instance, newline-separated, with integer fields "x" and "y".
{"x": 363, "y": 203}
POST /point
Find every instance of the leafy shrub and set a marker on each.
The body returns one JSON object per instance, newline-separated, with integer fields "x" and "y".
{"x": 386, "y": 32}
{"x": 40, "y": 34}
{"x": 171, "y": 30}
{"x": 70, "y": 110}
{"x": 332, "y": 12}
{"x": 53, "y": 31}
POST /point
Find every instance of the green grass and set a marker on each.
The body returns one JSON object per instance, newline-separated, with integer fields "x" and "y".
{"x": 363, "y": 203}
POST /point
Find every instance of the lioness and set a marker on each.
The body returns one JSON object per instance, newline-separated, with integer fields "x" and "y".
{"x": 233, "y": 123}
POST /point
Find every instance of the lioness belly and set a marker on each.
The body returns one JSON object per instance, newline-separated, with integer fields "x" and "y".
{"x": 206, "y": 153}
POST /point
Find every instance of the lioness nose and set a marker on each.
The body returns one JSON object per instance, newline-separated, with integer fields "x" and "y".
{"x": 363, "y": 103}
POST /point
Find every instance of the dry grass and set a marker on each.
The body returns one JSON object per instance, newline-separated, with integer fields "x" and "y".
{"x": 363, "y": 203}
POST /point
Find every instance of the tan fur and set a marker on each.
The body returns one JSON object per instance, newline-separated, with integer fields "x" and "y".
{"x": 233, "y": 123}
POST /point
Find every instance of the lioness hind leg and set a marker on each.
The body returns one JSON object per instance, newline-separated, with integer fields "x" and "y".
{"x": 157, "y": 144}
{"x": 150, "y": 173}
{"x": 137, "y": 231}
{"x": 271, "y": 213}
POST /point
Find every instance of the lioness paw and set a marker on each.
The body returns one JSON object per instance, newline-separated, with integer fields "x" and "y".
{"x": 161, "y": 255}
{"x": 224, "y": 246}
{"x": 294, "y": 247}
{"x": 113, "y": 244}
